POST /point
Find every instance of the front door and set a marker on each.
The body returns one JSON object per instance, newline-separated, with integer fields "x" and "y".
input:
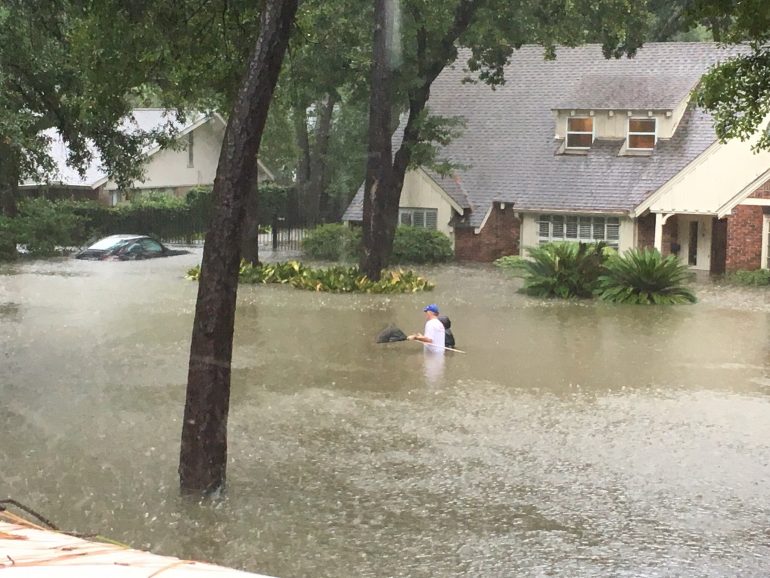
{"x": 695, "y": 241}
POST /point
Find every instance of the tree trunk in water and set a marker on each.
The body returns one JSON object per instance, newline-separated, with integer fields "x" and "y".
{"x": 383, "y": 189}
{"x": 9, "y": 180}
{"x": 203, "y": 453}
{"x": 318, "y": 154}
{"x": 303, "y": 143}
{"x": 379, "y": 226}
{"x": 250, "y": 238}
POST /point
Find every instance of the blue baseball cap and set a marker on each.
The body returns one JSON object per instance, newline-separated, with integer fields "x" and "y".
{"x": 432, "y": 308}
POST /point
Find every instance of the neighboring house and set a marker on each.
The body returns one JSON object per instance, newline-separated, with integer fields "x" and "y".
{"x": 192, "y": 163}
{"x": 585, "y": 149}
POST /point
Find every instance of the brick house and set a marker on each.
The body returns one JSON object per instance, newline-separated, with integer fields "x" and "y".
{"x": 583, "y": 148}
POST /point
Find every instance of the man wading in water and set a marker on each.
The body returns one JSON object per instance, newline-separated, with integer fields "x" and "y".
{"x": 434, "y": 336}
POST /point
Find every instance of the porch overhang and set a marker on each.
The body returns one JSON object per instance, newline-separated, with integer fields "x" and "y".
{"x": 724, "y": 176}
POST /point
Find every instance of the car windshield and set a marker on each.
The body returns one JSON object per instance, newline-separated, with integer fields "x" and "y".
{"x": 110, "y": 243}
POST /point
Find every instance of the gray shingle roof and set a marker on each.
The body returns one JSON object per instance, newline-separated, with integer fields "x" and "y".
{"x": 507, "y": 149}
{"x": 616, "y": 91}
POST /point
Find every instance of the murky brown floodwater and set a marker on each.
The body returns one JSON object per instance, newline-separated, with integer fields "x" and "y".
{"x": 573, "y": 439}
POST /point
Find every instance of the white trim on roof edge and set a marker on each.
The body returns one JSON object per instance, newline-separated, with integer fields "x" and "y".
{"x": 725, "y": 209}
{"x": 446, "y": 195}
{"x": 477, "y": 230}
{"x": 157, "y": 148}
{"x": 663, "y": 189}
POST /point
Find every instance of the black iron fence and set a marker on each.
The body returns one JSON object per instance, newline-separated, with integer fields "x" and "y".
{"x": 281, "y": 226}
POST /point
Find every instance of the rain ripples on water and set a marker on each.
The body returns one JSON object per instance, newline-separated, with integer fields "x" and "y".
{"x": 573, "y": 439}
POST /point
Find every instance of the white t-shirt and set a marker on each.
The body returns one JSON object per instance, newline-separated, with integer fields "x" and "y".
{"x": 435, "y": 330}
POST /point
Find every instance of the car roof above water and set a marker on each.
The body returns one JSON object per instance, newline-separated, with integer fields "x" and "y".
{"x": 113, "y": 240}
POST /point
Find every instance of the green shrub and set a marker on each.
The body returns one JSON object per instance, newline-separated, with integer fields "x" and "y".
{"x": 562, "y": 269}
{"x": 643, "y": 276}
{"x": 332, "y": 242}
{"x": 337, "y": 279}
{"x": 417, "y": 245}
{"x": 7, "y": 241}
{"x": 45, "y": 227}
{"x": 512, "y": 264}
{"x": 757, "y": 277}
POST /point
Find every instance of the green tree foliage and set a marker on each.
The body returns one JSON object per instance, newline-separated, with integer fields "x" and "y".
{"x": 432, "y": 35}
{"x": 644, "y": 277}
{"x": 52, "y": 76}
{"x": 737, "y": 91}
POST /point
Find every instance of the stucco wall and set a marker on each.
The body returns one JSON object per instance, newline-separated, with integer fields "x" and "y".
{"x": 420, "y": 191}
{"x": 168, "y": 168}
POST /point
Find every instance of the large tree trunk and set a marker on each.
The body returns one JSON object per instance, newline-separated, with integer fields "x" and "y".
{"x": 9, "y": 180}
{"x": 250, "y": 238}
{"x": 303, "y": 144}
{"x": 381, "y": 200}
{"x": 318, "y": 155}
{"x": 378, "y": 225}
{"x": 203, "y": 454}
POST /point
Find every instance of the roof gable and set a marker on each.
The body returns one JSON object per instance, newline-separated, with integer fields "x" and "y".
{"x": 143, "y": 119}
{"x": 507, "y": 149}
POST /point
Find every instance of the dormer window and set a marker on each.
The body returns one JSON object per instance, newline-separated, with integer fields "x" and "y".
{"x": 580, "y": 132}
{"x": 641, "y": 134}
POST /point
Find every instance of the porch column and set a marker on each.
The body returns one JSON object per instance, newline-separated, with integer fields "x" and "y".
{"x": 660, "y": 220}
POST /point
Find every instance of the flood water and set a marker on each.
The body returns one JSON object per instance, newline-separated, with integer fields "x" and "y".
{"x": 572, "y": 439}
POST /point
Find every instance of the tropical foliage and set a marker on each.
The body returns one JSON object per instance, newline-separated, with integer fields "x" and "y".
{"x": 643, "y": 276}
{"x": 337, "y": 279}
{"x": 562, "y": 270}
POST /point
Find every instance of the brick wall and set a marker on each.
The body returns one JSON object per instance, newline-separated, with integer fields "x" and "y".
{"x": 744, "y": 236}
{"x": 500, "y": 236}
{"x": 670, "y": 235}
{"x": 762, "y": 192}
{"x": 645, "y": 231}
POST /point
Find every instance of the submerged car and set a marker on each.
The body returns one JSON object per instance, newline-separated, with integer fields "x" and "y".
{"x": 127, "y": 248}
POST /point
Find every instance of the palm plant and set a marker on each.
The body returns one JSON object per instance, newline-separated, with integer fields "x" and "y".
{"x": 563, "y": 269}
{"x": 643, "y": 276}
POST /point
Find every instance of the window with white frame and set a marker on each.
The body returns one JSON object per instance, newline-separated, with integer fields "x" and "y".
{"x": 579, "y": 228}
{"x": 580, "y": 132}
{"x": 422, "y": 218}
{"x": 642, "y": 134}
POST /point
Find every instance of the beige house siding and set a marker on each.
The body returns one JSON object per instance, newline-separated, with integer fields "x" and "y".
{"x": 169, "y": 168}
{"x": 712, "y": 180}
{"x": 420, "y": 191}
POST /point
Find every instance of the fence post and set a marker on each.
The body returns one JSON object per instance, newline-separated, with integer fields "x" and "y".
{"x": 275, "y": 232}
